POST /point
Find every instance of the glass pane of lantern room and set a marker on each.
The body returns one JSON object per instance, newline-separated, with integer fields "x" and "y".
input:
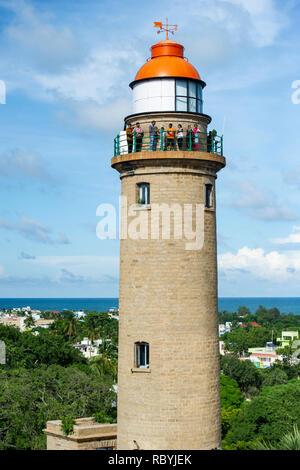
{"x": 199, "y": 106}
{"x": 199, "y": 90}
{"x": 192, "y": 105}
{"x": 181, "y": 88}
{"x": 192, "y": 89}
{"x": 181, "y": 104}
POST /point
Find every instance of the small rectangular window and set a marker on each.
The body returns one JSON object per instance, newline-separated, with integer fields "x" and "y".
{"x": 141, "y": 355}
{"x": 144, "y": 193}
{"x": 208, "y": 195}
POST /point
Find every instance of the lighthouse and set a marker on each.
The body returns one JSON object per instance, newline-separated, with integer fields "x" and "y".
{"x": 168, "y": 160}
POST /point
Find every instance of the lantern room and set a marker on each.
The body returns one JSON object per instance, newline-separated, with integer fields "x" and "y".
{"x": 167, "y": 82}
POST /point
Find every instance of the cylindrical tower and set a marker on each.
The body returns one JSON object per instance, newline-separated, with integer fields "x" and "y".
{"x": 168, "y": 378}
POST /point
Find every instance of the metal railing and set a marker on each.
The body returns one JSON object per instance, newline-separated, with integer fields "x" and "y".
{"x": 160, "y": 141}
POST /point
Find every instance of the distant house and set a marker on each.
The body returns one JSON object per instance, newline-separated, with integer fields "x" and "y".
{"x": 88, "y": 348}
{"x": 264, "y": 357}
{"x": 252, "y": 323}
{"x": 43, "y": 323}
{"x": 14, "y": 320}
{"x": 286, "y": 337}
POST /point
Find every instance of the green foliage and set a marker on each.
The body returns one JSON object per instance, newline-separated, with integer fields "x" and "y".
{"x": 244, "y": 372}
{"x": 290, "y": 441}
{"x": 274, "y": 376}
{"x": 27, "y": 350}
{"x": 67, "y": 425}
{"x": 244, "y": 312}
{"x": 29, "y": 322}
{"x": 30, "y": 398}
{"x": 101, "y": 417}
{"x": 269, "y": 416}
{"x": 241, "y": 339}
{"x": 227, "y": 415}
{"x": 268, "y": 318}
{"x": 231, "y": 395}
{"x": 240, "y": 445}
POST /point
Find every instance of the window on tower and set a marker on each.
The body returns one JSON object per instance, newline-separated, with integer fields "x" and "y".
{"x": 143, "y": 193}
{"x": 208, "y": 196}
{"x": 188, "y": 96}
{"x": 141, "y": 355}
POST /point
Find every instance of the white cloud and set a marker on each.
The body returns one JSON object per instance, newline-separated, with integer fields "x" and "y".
{"x": 294, "y": 237}
{"x": 260, "y": 204}
{"x": 5, "y": 224}
{"x": 76, "y": 268}
{"x": 91, "y": 115}
{"x": 257, "y": 263}
{"x": 264, "y": 20}
{"x": 33, "y": 37}
{"x": 19, "y": 164}
{"x": 35, "y": 231}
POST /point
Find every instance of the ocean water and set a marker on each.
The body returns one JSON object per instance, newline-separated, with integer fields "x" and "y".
{"x": 284, "y": 304}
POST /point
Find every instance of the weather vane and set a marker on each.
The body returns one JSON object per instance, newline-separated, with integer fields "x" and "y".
{"x": 169, "y": 28}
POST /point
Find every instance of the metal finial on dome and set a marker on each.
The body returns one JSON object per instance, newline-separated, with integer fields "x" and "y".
{"x": 168, "y": 28}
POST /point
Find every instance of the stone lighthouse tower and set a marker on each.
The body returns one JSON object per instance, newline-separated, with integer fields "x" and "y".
{"x": 168, "y": 378}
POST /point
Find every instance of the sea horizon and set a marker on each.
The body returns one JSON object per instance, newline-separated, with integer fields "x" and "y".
{"x": 229, "y": 304}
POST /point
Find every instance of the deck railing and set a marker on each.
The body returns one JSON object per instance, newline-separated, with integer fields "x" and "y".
{"x": 159, "y": 141}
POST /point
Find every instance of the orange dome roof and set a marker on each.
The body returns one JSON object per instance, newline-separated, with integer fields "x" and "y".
{"x": 167, "y": 60}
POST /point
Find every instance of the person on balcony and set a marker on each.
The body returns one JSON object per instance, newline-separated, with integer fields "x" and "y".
{"x": 129, "y": 135}
{"x": 171, "y": 137}
{"x": 189, "y": 139}
{"x": 139, "y": 133}
{"x": 196, "y": 132}
{"x": 163, "y": 138}
{"x": 210, "y": 141}
{"x": 153, "y": 135}
{"x": 179, "y": 136}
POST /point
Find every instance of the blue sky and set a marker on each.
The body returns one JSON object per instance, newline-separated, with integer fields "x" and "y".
{"x": 67, "y": 65}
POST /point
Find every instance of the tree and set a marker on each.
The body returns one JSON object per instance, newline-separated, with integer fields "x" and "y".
{"x": 69, "y": 324}
{"x": 240, "y": 340}
{"x": 29, "y": 321}
{"x": 231, "y": 395}
{"x": 244, "y": 311}
{"x": 30, "y": 398}
{"x": 290, "y": 441}
{"x": 244, "y": 372}
{"x": 27, "y": 350}
{"x": 231, "y": 400}
{"x": 106, "y": 361}
{"x": 274, "y": 376}
{"x": 227, "y": 415}
{"x": 269, "y": 416}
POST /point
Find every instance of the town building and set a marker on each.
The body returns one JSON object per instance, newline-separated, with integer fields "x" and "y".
{"x": 88, "y": 348}
{"x": 287, "y": 337}
{"x": 264, "y": 357}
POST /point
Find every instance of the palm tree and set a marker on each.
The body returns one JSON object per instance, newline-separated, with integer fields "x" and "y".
{"x": 93, "y": 334}
{"x": 70, "y": 325}
{"x": 290, "y": 441}
{"x": 106, "y": 360}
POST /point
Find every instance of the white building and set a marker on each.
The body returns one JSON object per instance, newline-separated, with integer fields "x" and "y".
{"x": 87, "y": 348}
{"x": 264, "y": 357}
